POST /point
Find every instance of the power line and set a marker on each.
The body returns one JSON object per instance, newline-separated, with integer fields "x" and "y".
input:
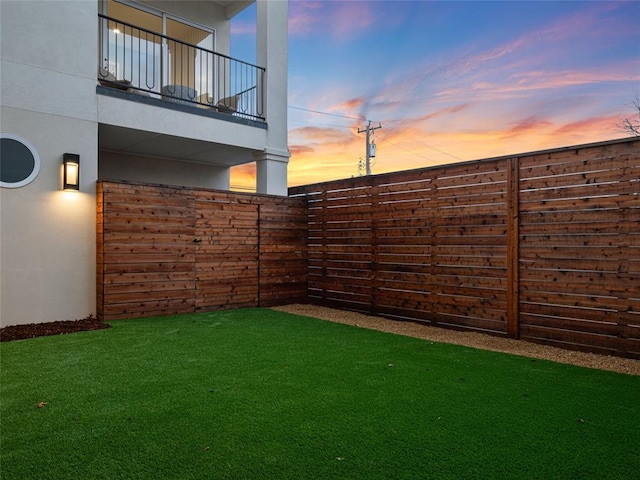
{"x": 428, "y": 146}
{"x": 389, "y": 129}
{"x": 322, "y": 124}
{"x": 406, "y": 150}
{"x": 324, "y": 113}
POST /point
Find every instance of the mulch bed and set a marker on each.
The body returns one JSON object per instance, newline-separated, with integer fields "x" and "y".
{"x": 32, "y": 330}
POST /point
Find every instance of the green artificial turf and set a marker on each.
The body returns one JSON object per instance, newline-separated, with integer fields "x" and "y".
{"x": 259, "y": 394}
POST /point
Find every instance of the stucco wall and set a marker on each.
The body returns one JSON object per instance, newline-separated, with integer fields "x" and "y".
{"x": 47, "y": 238}
{"x": 115, "y": 166}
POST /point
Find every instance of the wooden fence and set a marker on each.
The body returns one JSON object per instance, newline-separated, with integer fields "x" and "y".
{"x": 164, "y": 250}
{"x": 543, "y": 247}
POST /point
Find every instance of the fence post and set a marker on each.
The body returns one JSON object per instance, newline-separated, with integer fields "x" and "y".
{"x": 259, "y": 246}
{"x": 323, "y": 245}
{"x": 375, "y": 240}
{"x": 513, "y": 241}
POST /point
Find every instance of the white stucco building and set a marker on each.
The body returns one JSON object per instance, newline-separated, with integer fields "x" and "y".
{"x": 141, "y": 91}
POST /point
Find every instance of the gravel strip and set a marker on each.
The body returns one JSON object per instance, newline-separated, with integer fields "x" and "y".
{"x": 469, "y": 339}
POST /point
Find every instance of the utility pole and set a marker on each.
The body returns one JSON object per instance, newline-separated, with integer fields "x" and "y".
{"x": 370, "y": 147}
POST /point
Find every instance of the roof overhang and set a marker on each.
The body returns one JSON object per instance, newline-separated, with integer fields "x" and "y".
{"x": 233, "y": 7}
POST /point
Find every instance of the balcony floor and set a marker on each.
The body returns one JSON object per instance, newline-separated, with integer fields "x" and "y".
{"x": 194, "y": 109}
{"x": 164, "y": 144}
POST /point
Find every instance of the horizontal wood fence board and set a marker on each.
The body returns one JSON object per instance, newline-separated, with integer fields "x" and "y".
{"x": 577, "y": 285}
{"x": 575, "y": 265}
{"x": 533, "y": 313}
{"x": 149, "y": 309}
{"x": 137, "y": 298}
{"x": 147, "y": 212}
{"x": 139, "y": 278}
{"x": 167, "y": 199}
{"x": 147, "y": 249}
{"x": 178, "y": 257}
{"x": 159, "y": 285}
{"x": 601, "y": 327}
{"x": 584, "y": 193}
{"x": 151, "y": 227}
{"x": 147, "y": 238}
{"x": 113, "y": 270}
{"x": 571, "y": 204}
{"x": 599, "y": 343}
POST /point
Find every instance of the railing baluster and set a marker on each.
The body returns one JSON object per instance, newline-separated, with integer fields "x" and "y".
{"x": 234, "y": 86}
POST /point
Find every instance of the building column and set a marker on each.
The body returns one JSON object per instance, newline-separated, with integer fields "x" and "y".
{"x": 271, "y": 49}
{"x": 271, "y": 172}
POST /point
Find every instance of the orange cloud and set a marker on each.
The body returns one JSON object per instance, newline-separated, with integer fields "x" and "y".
{"x": 529, "y": 125}
{"x": 300, "y": 149}
{"x": 411, "y": 146}
{"x": 321, "y": 135}
{"x": 243, "y": 178}
{"x": 596, "y": 127}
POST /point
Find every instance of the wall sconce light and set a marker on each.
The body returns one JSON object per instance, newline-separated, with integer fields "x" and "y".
{"x": 71, "y": 171}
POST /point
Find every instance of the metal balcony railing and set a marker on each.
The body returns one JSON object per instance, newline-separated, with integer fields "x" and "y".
{"x": 147, "y": 63}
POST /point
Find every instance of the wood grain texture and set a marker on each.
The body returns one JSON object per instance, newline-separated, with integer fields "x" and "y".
{"x": 544, "y": 247}
{"x": 164, "y": 250}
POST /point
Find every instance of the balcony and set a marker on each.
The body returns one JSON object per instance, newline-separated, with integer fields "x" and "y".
{"x": 177, "y": 73}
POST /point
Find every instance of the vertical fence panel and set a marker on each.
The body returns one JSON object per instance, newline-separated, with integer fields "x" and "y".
{"x": 146, "y": 253}
{"x": 577, "y": 289}
{"x": 544, "y": 247}
{"x": 575, "y": 248}
{"x": 283, "y": 251}
{"x": 513, "y": 247}
{"x": 340, "y": 249}
{"x": 469, "y": 246}
{"x": 164, "y": 250}
{"x": 227, "y": 253}
{"x": 404, "y": 218}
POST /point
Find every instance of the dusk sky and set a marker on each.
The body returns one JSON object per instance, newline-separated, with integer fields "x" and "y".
{"x": 449, "y": 81}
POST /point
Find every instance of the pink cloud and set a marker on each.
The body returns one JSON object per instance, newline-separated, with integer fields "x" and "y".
{"x": 338, "y": 20}
{"x": 243, "y": 28}
{"x": 351, "y": 17}
{"x": 544, "y": 80}
{"x": 552, "y": 42}
{"x": 302, "y": 17}
{"x": 443, "y": 112}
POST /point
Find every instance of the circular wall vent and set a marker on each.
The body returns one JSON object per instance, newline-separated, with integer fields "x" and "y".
{"x": 19, "y": 161}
